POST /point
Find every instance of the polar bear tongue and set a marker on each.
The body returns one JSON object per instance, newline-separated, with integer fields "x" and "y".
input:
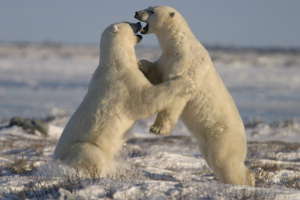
{"x": 145, "y": 29}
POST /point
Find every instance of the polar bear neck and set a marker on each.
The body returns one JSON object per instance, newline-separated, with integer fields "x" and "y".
{"x": 174, "y": 36}
{"x": 118, "y": 56}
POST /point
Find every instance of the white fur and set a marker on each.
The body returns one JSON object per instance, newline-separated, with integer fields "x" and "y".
{"x": 210, "y": 114}
{"x": 117, "y": 96}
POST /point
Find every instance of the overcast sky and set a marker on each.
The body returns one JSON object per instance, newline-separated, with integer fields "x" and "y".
{"x": 224, "y": 22}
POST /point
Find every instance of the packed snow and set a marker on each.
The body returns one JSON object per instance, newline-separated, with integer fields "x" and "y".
{"x": 46, "y": 82}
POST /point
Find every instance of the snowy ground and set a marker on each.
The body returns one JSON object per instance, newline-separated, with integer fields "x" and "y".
{"x": 38, "y": 81}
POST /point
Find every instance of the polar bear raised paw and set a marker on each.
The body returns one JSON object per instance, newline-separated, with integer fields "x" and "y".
{"x": 161, "y": 126}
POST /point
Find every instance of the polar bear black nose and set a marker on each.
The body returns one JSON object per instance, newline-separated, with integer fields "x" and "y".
{"x": 136, "y": 14}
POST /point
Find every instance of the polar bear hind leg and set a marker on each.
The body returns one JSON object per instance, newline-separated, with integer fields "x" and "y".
{"x": 231, "y": 172}
{"x": 90, "y": 160}
{"x": 226, "y": 164}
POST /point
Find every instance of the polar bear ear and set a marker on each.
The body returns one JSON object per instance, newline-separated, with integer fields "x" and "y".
{"x": 115, "y": 28}
{"x": 172, "y": 14}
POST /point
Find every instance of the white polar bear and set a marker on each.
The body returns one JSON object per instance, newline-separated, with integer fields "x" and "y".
{"x": 210, "y": 114}
{"x": 118, "y": 95}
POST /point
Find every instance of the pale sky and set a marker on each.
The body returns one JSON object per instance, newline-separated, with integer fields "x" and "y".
{"x": 228, "y": 22}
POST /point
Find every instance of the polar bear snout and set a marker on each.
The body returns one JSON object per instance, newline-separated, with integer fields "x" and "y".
{"x": 137, "y": 15}
{"x": 141, "y": 15}
{"x": 136, "y": 27}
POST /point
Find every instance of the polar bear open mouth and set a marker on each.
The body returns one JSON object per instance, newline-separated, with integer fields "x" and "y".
{"x": 136, "y": 27}
{"x": 145, "y": 29}
{"x": 143, "y": 16}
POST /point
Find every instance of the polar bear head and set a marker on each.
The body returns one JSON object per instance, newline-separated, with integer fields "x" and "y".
{"x": 118, "y": 41}
{"x": 158, "y": 18}
{"x": 121, "y": 33}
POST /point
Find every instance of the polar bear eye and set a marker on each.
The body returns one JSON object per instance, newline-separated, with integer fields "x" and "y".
{"x": 172, "y": 14}
{"x": 151, "y": 12}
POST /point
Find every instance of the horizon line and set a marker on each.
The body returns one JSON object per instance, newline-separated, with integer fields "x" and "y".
{"x": 216, "y": 46}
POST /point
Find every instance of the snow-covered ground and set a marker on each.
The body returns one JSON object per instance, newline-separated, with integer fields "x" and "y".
{"x": 37, "y": 79}
{"x": 48, "y": 81}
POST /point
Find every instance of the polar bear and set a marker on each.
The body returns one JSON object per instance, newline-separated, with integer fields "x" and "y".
{"x": 210, "y": 114}
{"x": 118, "y": 95}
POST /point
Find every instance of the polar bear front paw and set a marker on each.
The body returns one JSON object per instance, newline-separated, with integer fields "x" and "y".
{"x": 160, "y": 129}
